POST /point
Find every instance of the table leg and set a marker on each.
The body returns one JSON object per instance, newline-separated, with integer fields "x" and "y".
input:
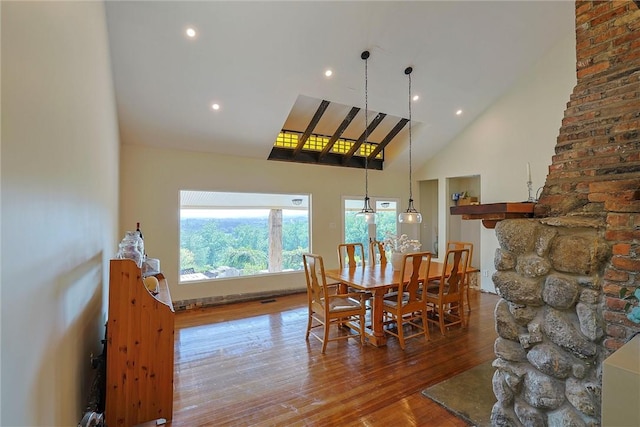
{"x": 343, "y": 288}
{"x": 377, "y": 337}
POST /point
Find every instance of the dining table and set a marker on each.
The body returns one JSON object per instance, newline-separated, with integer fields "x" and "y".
{"x": 378, "y": 279}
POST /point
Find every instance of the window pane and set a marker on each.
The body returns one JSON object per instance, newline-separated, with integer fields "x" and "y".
{"x": 386, "y": 218}
{"x": 356, "y": 230}
{"x": 239, "y": 234}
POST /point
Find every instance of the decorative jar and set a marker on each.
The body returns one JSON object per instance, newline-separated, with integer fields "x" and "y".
{"x": 396, "y": 260}
{"x": 397, "y": 247}
{"x": 131, "y": 248}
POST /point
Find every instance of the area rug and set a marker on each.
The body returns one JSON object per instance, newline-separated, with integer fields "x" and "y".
{"x": 468, "y": 395}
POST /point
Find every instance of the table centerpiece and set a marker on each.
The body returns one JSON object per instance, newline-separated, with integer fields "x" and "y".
{"x": 398, "y": 246}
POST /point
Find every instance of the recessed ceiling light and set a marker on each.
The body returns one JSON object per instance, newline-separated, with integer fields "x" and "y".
{"x": 416, "y": 97}
{"x": 215, "y": 106}
{"x": 328, "y": 73}
{"x": 191, "y": 32}
{"x": 459, "y": 113}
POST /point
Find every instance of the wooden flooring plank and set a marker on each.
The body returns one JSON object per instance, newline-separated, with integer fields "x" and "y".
{"x": 248, "y": 364}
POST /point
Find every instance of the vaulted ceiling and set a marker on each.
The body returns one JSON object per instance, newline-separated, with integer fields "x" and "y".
{"x": 264, "y": 63}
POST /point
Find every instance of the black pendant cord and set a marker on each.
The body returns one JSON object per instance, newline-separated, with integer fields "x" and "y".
{"x": 365, "y": 56}
{"x": 408, "y": 71}
{"x": 411, "y": 215}
{"x": 367, "y": 211}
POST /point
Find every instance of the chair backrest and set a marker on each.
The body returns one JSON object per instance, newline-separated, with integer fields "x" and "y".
{"x": 454, "y": 272}
{"x": 414, "y": 271}
{"x": 377, "y": 254}
{"x": 350, "y": 254}
{"x": 462, "y": 245}
{"x": 316, "y": 280}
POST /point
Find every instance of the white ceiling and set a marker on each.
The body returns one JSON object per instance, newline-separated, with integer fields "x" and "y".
{"x": 257, "y": 59}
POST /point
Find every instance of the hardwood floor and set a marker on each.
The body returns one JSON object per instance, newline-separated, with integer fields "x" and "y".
{"x": 248, "y": 364}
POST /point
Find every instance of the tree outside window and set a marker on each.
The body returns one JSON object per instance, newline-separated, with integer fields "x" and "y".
{"x": 240, "y": 234}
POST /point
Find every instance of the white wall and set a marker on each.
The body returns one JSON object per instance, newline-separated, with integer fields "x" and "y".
{"x": 520, "y": 127}
{"x": 152, "y": 179}
{"x": 59, "y": 206}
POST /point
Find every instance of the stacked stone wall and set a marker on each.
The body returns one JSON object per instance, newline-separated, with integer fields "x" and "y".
{"x": 549, "y": 322}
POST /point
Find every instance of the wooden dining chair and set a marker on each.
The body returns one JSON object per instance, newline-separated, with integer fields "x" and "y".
{"x": 444, "y": 295}
{"x": 350, "y": 254}
{"x": 408, "y": 308}
{"x": 377, "y": 254}
{"x": 467, "y": 276}
{"x": 327, "y": 309}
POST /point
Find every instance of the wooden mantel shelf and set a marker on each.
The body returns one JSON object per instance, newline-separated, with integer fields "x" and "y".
{"x": 491, "y": 213}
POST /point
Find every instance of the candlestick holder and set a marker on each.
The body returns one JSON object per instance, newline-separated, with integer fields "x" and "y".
{"x": 530, "y": 190}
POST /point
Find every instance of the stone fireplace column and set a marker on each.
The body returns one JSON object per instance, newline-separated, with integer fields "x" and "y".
{"x": 550, "y": 327}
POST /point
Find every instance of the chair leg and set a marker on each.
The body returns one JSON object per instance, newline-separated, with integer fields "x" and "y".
{"x": 468, "y": 299}
{"x": 309, "y": 326}
{"x": 400, "y": 331}
{"x": 325, "y": 336}
{"x": 425, "y": 325}
{"x": 362, "y": 329}
{"x": 463, "y": 320}
{"x": 441, "y": 317}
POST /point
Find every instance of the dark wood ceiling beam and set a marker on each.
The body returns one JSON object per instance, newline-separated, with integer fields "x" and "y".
{"x": 331, "y": 159}
{"x": 338, "y": 133}
{"x": 312, "y": 124}
{"x": 387, "y": 139}
{"x": 356, "y": 146}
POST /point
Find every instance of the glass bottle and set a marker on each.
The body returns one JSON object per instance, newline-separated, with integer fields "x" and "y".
{"x": 140, "y": 239}
{"x": 138, "y": 230}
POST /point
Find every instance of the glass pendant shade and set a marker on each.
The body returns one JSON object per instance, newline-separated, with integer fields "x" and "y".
{"x": 367, "y": 213}
{"x": 411, "y": 215}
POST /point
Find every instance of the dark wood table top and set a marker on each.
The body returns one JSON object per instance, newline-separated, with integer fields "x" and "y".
{"x": 379, "y": 276}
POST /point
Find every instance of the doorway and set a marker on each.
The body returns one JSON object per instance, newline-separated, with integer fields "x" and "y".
{"x": 459, "y": 229}
{"x": 429, "y": 210}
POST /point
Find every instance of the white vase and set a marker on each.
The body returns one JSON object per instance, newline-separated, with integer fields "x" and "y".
{"x": 396, "y": 260}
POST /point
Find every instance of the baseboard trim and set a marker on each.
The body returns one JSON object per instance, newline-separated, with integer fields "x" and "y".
{"x": 191, "y": 304}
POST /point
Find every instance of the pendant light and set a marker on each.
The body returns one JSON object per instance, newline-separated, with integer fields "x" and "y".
{"x": 367, "y": 212}
{"x": 411, "y": 215}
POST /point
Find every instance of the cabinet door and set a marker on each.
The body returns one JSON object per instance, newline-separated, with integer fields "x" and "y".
{"x": 140, "y": 349}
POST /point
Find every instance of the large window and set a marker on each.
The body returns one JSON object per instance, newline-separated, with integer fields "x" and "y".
{"x": 241, "y": 234}
{"x": 357, "y": 230}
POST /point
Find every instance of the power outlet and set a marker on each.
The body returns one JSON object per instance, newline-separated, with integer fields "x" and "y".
{"x": 485, "y": 273}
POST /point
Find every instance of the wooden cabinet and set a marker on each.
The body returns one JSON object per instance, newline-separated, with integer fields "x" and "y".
{"x": 140, "y": 348}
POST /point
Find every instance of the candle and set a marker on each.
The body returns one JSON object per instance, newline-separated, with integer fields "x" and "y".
{"x": 528, "y": 172}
